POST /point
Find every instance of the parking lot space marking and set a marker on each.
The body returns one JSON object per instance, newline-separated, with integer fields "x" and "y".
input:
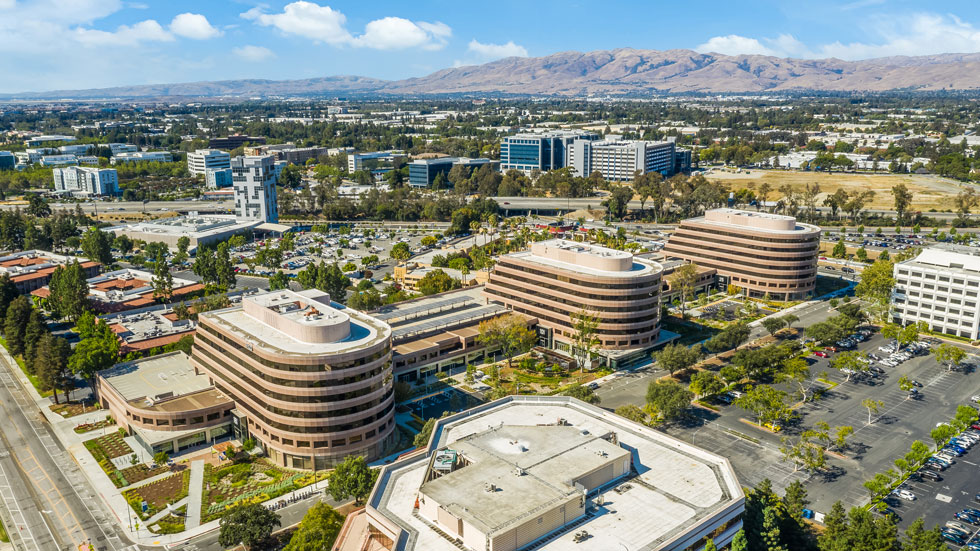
{"x": 944, "y": 498}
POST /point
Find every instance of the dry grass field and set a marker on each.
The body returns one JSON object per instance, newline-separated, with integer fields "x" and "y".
{"x": 930, "y": 192}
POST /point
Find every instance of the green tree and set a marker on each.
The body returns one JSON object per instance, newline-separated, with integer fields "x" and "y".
{"x": 182, "y": 244}
{"x": 949, "y": 355}
{"x": 8, "y": 292}
{"x": 876, "y": 285}
{"x": 739, "y": 542}
{"x": 583, "y": 393}
{"x": 668, "y": 400}
{"x": 676, "y": 357}
{"x": 840, "y": 250}
{"x": 942, "y": 434}
{"x": 849, "y": 363}
{"x": 633, "y": 413}
{"x": 318, "y": 530}
{"x": 401, "y": 251}
{"x": 873, "y": 406}
{"x": 767, "y": 403}
{"x": 773, "y": 324}
{"x": 917, "y": 538}
{"x": 247, "y": 525}
{"x": 68, "y": 291}
{"x": 163, "y": 280}
{"x": 683, "y": 280}
{"x": 352, "y": 478}
{"x": 94, "y": 353}
{"x": 835, "y": 535}
{"x": 903, "y": 198}
{"x": 33, "y": 331}
{"x": 706, "y": 383}
{"x": 437, "y": 281}
{"x": 279, "y": 280}
{"x": 224, "y": 269}
{"x": 123, "y": 243}
{"x": 585, "y": 326}
{"x": 422, "y": 438}
{"x": 161, "y": 458}
{"x": 51, "y": 365}
{"x": 15, "y": 324}
{"x": 97, "y": 246}
{"x": 618, "y": 202}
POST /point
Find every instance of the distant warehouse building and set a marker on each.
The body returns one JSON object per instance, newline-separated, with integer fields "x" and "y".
{"x": 541, "y": 151}
{"x": 939, "y": 288}
{"x": 620, "y": 160}
{"x": 143, "y": 156}
{"x": 765, "y": 254}
{"x": 422, "y": 173}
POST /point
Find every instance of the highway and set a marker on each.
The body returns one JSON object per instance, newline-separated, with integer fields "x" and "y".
{"x": 47, "y": 497}
{"x": 553, "y": 205}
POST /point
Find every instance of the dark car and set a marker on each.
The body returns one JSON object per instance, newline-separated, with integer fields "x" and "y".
{"x": 954, "y": 537}
{"x": 930, "y": 475}
{"x": 966, "y": 518}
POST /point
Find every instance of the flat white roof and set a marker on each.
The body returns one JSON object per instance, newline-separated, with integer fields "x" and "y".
{"x": 950, "y": 257}
{"x": 677, "y": 488}
{"x": 586, "y": 258}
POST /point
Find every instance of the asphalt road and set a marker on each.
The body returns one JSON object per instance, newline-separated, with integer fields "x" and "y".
{"x": 288, "y": 516}
{"x": 53, "y": 505}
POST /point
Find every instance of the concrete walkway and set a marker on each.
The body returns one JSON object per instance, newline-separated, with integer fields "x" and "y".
{"x": 194, "y": 495}
{"x": 175, "y": 505}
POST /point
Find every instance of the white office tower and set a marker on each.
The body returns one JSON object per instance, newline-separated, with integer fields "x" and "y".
{"x": 198, "y": 162}
{"x": 86, "y": 180}
{"x": 254, "y": 179}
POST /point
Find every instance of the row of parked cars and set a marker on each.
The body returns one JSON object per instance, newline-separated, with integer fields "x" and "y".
{"x": 960, "y": 530}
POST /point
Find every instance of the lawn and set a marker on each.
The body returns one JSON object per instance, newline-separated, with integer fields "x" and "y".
{"x": 158, "y": 494}
{"x": 171, "y": 524}
{"x": 3, "y": 534}
{"x": 690, "y": 332}
{"x": 23, "y": 367}
{"x": 141, "y": 472}
{"x": 100, "y": 424}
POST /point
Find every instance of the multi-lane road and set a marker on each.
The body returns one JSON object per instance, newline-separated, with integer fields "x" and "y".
{"x": 48, "y": 501}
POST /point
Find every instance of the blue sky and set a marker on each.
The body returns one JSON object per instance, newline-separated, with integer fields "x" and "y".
{"x": 72, "y": 44}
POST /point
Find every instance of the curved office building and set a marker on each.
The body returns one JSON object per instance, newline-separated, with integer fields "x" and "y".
{"x": 312, "y": 383}
{"x": 765, "y": 254}
{"x": 558, "y": 279}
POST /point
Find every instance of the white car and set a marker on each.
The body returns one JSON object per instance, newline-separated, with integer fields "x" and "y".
{"x": 906, "y": 495}
{"x": 975, "y": 398}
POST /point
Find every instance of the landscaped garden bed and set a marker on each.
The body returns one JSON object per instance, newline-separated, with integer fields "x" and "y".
{"x": 106, "y": 448}
{"x": 171, "y": 524}
{"x": 100, "y": 424}
{"x": 253, "y": 481}
{"x": 158, "y": 494}
{"x": 71, "y": 409}
{"x": 141, "y": 472}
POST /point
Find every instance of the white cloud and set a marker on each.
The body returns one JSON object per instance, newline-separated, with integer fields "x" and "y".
{"x": 326, "y": 25}
{"x": 7, "y": 4}
{"x": 393, "y": 33}
{"x": 193, "y": 25}
{"x": 306, "y": 19}
{"x": 496, "y": 51}
{"x": 253, "y": 53}
{"x": 124, "y": 35}
{"x": 910, "y": 35}
{"x": 734, "y": 44}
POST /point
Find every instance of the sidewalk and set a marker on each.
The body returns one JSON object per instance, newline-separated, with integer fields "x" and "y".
{"x": 194, "y": 495}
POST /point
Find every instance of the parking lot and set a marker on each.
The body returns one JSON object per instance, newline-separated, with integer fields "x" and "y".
{"x": 936, "y": 502}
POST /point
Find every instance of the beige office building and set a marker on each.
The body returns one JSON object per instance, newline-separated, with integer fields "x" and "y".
{"x": 764, "y": 254}
{"x": 558, "y": 279}
{"x": 312, "y": 383}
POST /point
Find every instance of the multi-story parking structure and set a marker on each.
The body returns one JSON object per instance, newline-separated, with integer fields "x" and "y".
{"x": 939, "y": 288}
{"x": 312, "y": 382}
{"x": 557, "y": 281}
{"x": 764, "y": 254}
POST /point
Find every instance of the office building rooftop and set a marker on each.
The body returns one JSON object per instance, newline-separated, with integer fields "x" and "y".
{"x": 587, "y": 259}
{"x": 755, "y": 221}
{"x": 952, "y": 257}
{"x": 300, "y": 323}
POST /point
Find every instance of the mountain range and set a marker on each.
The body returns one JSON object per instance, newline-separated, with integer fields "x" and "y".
{"x": 623, "y": 71}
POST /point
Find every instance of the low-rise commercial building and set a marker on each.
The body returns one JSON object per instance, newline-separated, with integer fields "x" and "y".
{"x": 312, "y": 381}
{"x": 378, "y": 162}
{"x": 31, "y": 270}
{"x": 557, "y": 281}
{"x": 165, "y": 404}
{"x": 438, "y": 333}
{"x": 422, "y": 173}
{"x": 41, "y": 140}
{"x": 201, "y": 230}
{"x": 198, "y": 162}
{"x": 939, "y": 287}
{"x": 767, "y": 255}
{"x": 142, "y": 156}
{"x": 217, "y": 178}
{"x": 59, "y": 160}
{"x": 532, "y": 472}
{"x": 128, "y": 289}
{"x": 234, "y": 141}
{"x": 86, "y": 180}
{"x": 409, "y": 275}
{"x": 148, "y": 329}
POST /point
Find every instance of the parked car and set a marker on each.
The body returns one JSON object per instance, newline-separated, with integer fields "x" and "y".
{"x": 905, "y": 494}
{"x": 930, "y": 475}
{"x": 821, "y": 354}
